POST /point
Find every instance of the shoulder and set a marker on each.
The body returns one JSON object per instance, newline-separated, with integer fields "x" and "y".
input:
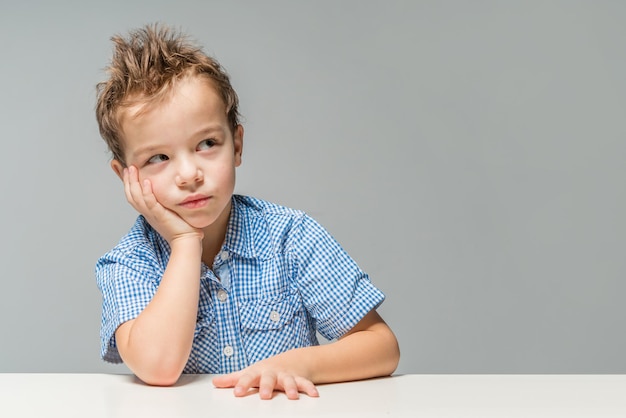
{"x": 253, "y": 206}
{"x": 261, "y": 228}
{"x": 285, "y": 229}
{"x": 261, "y": 214}
{"x": 142, "y": 244}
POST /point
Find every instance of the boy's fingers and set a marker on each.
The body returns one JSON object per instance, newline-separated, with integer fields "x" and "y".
{"x": 138, "y": 194}
{"x": 267, "y": 383}
{"x": 148, "y": 196}
{"x": 306, "y": 386}
{"x": 290, "y": 387}
{"x": 245, "y": 383}
{"x": 226, "y": 380}
{"x": 133, "y": 188}
{"x": 126, "y": 179}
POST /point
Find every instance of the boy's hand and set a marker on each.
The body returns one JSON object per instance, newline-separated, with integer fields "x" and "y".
{"x": 167, "y": 223}
{"x": 268, "y": 376}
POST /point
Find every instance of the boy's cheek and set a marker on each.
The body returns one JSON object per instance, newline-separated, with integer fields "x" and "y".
{"x": 157, "y": 190}
{"x": 158, "y": 194}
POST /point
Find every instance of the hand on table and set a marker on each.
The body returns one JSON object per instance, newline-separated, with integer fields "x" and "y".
{"x": 268, "y": 376}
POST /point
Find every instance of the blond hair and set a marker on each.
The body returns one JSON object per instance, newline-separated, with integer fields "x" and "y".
{"x": 144, "y": 68}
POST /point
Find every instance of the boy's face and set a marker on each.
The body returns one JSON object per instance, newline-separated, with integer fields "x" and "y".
{"x": 185, "y": 147}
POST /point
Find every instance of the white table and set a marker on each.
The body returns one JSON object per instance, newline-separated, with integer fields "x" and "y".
{"x": 502, "y": 396}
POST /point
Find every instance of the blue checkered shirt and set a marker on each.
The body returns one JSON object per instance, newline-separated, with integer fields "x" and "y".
{"x": 278, "y": 279}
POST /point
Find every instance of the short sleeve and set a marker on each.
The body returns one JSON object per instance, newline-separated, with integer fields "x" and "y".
{"x": 335, "y": 291}
{"x": 128, "y": 283}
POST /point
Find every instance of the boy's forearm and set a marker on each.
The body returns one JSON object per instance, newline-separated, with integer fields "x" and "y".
{"x": 156, "y": 344}
{"x": 369, "y": 350}
{"x": 362, "y": 354}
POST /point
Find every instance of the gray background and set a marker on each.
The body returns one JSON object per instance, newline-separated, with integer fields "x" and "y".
{"x": 469, "y": 155}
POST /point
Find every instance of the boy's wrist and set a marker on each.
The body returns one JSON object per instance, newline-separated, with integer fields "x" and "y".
{"x": 187, "y": 242}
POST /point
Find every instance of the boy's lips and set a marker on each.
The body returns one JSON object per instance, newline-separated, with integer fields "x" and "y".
{"x": 194, "y": 201}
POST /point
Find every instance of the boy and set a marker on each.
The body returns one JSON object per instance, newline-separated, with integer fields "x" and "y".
{"x": 207, "y": 281}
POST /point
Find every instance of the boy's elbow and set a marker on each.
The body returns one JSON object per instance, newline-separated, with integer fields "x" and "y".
{"x": 160, "y": 376}
{"x": 157, "y": 370}
{"x": 162, "y": 381}
{"x": 393, "y": 354}
{"x": 388, "y": 352}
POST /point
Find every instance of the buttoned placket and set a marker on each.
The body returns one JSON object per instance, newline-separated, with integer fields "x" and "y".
{"x": 232, "y": 356}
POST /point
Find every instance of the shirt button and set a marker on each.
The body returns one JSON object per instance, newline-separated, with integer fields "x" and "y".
{"x": 224, "y": 255}
{"x": 228, "y": 351}
{"x": 222, "y": 295}
{"x": 274, "y": 316}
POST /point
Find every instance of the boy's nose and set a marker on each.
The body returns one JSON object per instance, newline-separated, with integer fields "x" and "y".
{"x": 189, "y": 173}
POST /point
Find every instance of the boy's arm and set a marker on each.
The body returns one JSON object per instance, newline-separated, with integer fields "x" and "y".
{"x": 156, "y": 344}
{"x": 370, "y": 349}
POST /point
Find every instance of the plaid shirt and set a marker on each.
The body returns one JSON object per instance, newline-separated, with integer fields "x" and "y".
{"x": 278, "y": 279}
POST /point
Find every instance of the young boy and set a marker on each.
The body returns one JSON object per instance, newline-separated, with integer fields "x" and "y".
{"x": 207, "y": 281}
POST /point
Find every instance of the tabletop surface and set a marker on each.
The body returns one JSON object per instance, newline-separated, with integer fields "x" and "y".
{"x": 109, "y": 395}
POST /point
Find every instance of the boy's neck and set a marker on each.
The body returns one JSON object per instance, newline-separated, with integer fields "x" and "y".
{"x": 214, "y": 235}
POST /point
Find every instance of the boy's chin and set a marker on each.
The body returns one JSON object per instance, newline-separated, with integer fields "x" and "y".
{"x": 201, "y": 220}
{"x": 199, "y": 223}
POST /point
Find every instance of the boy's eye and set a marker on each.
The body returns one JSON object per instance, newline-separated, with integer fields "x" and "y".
{"x": 159, "y": 158}
{"x": 206, "y": 144}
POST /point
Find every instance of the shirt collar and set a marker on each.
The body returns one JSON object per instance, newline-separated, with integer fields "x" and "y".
{"x": 245, "y": 225}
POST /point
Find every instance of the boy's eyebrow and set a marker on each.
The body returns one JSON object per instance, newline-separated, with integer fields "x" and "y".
{"x": 149, "y": 149}
{"x": 210, "y": 129}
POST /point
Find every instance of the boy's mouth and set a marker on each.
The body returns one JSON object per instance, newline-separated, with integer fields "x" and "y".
{"x": 194, "y": 201}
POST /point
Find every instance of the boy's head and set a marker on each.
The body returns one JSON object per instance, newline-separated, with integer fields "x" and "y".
{"x": 145, "y": 68}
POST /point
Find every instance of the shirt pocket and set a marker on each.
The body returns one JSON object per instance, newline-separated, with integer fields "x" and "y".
{"x": 272, "y": 326}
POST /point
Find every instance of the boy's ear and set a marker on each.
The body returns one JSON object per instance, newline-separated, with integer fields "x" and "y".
{"x": 118, "y": 168}
{"x": 238, "y": 141}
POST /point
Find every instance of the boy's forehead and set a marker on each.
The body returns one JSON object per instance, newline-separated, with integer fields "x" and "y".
{"x": 139, "y": 103}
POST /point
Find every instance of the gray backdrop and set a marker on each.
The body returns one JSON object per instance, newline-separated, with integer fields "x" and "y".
{"x": 469, "y": 155}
